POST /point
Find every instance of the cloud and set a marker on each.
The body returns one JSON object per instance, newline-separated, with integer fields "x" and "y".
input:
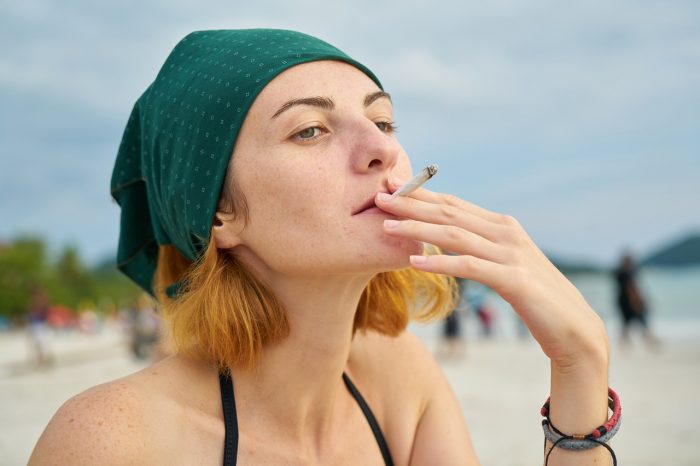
{"x": 540, "y": 109}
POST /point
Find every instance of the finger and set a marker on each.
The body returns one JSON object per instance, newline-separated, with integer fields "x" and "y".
{"x": 441, "y": 214}
{"x": 454, "y": 201}
{"x": 447, "y": 237}
{"x": 469, "y": 267}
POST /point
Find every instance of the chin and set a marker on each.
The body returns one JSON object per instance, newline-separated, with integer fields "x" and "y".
{"x": 406, "y": 247}
{"x": 413, "y": 248}
{"x": 394, "y": 257}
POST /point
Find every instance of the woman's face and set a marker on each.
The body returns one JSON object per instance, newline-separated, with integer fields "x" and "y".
{"x": 315, "y": 148}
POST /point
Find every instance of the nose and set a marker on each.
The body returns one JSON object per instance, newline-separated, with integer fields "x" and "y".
{"x": 374, "y": 149}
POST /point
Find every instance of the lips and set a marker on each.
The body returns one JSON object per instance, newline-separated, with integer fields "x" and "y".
{"x": 365, "y": 206}
{"x": 368, "y": 204}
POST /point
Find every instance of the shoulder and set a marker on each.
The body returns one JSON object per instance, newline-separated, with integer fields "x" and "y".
{"x": 400, "y": 369}
{"x": 403, "y": 360}
{"x": 395, "y": 375}
{"x": 422, "y": 416}
{"x": 107, "y": 424}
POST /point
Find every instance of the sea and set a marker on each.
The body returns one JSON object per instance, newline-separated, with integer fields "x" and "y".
{"x": 672, "y": 296}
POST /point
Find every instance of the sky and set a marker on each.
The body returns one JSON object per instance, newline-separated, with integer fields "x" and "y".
{"x": 581, "y": 119}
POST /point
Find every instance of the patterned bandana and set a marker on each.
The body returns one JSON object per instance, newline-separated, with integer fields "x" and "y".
{"x": 177, "y": 144}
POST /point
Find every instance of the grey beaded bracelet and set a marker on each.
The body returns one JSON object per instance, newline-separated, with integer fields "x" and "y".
{"x": 577, "y": 444}
{"x": 597, "y": 438}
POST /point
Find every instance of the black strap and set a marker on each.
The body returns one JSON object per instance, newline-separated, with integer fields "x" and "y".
{"x": 370, "y": 419}
{"x": 228, "y": 402}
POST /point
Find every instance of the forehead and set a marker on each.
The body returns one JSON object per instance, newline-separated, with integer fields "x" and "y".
{"x": 326, "y": 78}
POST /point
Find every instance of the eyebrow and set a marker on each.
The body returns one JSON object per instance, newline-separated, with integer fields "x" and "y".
{"x": 370, "y": 98}
{"x": 327, "y": 104}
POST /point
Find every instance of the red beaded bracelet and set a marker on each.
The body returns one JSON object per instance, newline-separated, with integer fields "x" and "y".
{"x": 613, "y": 404}
{"x": 599, "y": 437}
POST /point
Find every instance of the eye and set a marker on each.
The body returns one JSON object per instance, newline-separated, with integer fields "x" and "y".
{"x": 308, "y": 134}
{"x": 386, "y": 126}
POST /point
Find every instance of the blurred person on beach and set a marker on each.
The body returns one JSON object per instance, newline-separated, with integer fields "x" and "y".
{"x": 476, "y": 298}
{"x": 451, "y": 345}
{"x": 144, "y": 328}
{"x": 38, "y": 328}
{"x": 254, "y": 178}
{"x": 630, "y": 302}
{"x": 88, "y": 321}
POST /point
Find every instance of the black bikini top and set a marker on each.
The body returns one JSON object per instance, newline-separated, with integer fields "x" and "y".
{"x": 228, "y": 402}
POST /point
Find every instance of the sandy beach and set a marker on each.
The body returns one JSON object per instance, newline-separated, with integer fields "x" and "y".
{"x": 500, "y": 383}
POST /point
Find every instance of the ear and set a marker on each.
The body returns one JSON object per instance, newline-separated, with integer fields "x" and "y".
{"x": 227, "y": 231}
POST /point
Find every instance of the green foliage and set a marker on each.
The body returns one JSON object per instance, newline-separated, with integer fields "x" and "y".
{"x": 110, "y": 284}
{"x": 24, "y": 266}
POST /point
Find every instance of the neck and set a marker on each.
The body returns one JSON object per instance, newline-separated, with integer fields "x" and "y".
{"x": 298, "y": 382}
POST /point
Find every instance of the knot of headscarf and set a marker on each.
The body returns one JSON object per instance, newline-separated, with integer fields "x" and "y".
{"x": 176, "y": 147}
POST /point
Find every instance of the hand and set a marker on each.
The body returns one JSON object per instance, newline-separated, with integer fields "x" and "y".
{"x": 495, "y": 250}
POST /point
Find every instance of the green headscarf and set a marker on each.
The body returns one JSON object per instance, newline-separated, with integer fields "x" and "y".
{"x": 177, "y": 144}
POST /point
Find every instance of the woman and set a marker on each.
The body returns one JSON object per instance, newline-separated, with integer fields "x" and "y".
{"x": 289, "y": 269}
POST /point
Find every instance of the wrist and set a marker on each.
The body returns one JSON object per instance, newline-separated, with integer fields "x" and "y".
{"x": 582, "y": 365}
{"x": 585, "y": 351}
{"x": 576, "y": 443}
{"x": 579, "y": 393}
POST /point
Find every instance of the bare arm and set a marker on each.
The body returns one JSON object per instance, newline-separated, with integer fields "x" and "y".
{"x": 494, "y": 249}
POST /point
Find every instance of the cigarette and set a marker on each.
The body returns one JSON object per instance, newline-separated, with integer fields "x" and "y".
{"x": 417, "y": 181}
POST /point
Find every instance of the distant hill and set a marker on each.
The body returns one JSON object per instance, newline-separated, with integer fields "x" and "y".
{"x": 685, "y": 251}
{"x": 572, "y": 266}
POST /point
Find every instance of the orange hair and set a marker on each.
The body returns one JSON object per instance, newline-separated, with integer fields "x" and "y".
{"x": 225, "y": 314}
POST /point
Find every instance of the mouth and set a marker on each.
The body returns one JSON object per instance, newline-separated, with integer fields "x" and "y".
{"x": 367, "y": 206}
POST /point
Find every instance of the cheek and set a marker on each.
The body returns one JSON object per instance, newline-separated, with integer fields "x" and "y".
{"x": 287, "y": 204}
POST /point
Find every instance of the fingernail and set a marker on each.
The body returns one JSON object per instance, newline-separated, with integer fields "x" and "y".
{"x": 391, "y": 223}
{"x": 384, "y": 197}
{"x": 418, "y": 260}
